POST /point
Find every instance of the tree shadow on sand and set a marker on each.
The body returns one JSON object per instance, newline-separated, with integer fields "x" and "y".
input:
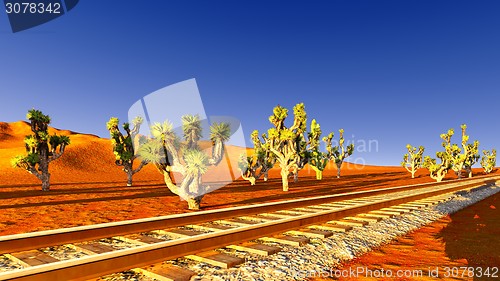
{"x": 473, "y": 235}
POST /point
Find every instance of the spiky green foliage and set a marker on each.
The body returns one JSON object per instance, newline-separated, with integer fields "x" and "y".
{"x": 413, "y": 160}
{"x": 41, "y": 148}
{"x": 169, "y": 154}
{"x": 191, "y": 127}
{"x": 125, "y": 145}
{"x": 489, "y": 160}
{"x": 464, "y": 156}
{"x": 439, "y": 170}
{"x": 339, "y": 153}
{"x": 318, "y": 160}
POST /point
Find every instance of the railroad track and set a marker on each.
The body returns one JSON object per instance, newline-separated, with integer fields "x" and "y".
{"x": 97, "y": 250}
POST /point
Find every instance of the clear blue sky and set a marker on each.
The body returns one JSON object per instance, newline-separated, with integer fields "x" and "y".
{"x": 391, "y": 71}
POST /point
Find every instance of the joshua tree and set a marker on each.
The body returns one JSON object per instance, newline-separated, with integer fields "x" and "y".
{"x": 318, "y": 159}
{"x": 170, "y": 155}
{"x": 489, "y": 160}
{"x": 465, "y": 157}
{"x": 299, "y": 128}
{"x": 472, "y": 157}
{"x": 123, "y": 145}
{"x": 413, "y": 160}
{"x": 259, "y": 164}
{"x": 439, "y": 171}
{"x": 340, "y": 153}
{"x": 41, "y": 148}
{"x": 282, "y": 141}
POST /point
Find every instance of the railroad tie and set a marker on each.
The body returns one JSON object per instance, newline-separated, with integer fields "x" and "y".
{"x": 178, "y": 233}
{"x": 255, "y": 248}
{"x": 331, "y": 227}
{"x": 372, "y": 215}
{"x": 395, "y": 209}
{"x": 209, "y": 227}
{"x": 216, "y": 259}
{"x": 310, "y": 233}
{"x": 278, "y": 215}
{"x": 395, "y": 213}
{"x": 348, "y": 222}
{"x": 237, "y": 222}
{"x": 286, "y": 240}
{"x": 411, "y": 208}
{"x": 30, "y": 258}
{"x": 365, "y": 219}
{"x": 418, "y": 205}
{"x": 92, "y": 248}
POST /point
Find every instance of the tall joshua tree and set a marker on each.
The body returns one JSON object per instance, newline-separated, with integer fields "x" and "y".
{"x": 340, "y": 153}
{"x": 413, "y": 160}
{"x": 299, "y": 128}
{"x": 124, "y": 145}
{"x": 489, "y": 160}
{"x": 318, "y": 160}
{"x": 439, "y": 170}
{"x": 282, "y": 141}
{"x": 41, "y": 148}
{"x": 169, "y": 154}
{"x": 464, "y": 158}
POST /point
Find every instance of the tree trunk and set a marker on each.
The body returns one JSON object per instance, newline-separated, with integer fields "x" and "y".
{"x": 46, "y": 181}
{"x": 284, "y": 179}
{"x": 194, "y": 203}
{"x": 129, "y": 177}
{"x": 266, "y": 176}
{"x": 338, "y": 169}
{"x": 296, "y": 175}
{"x": 319, "y": 173}
{"x": 413, "y": 174}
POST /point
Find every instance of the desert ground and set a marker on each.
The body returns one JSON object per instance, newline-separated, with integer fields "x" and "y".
{"x": 88, "y": 188}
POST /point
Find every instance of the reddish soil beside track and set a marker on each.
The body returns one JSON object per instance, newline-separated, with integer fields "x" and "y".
{"x": 87, "y": 187}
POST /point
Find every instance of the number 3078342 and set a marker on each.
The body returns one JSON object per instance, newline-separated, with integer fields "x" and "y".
{"x": 33, "y": 8}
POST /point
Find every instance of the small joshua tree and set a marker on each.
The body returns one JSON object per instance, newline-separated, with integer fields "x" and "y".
{"x": 123, "y": 145}
{"x": 439, "y": 170}
{"x": 169, "y": 155}
{"x": 340, "y": 153}
{"x": 259, "y": 164}
{"x": 317, "y": 159}
{"x": 413, "y": 160}
{"x": 489, "y": 160}
{"x": 41, "y": 148}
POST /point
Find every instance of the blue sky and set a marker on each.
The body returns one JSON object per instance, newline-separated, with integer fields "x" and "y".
{"x": 396, "y": 72}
